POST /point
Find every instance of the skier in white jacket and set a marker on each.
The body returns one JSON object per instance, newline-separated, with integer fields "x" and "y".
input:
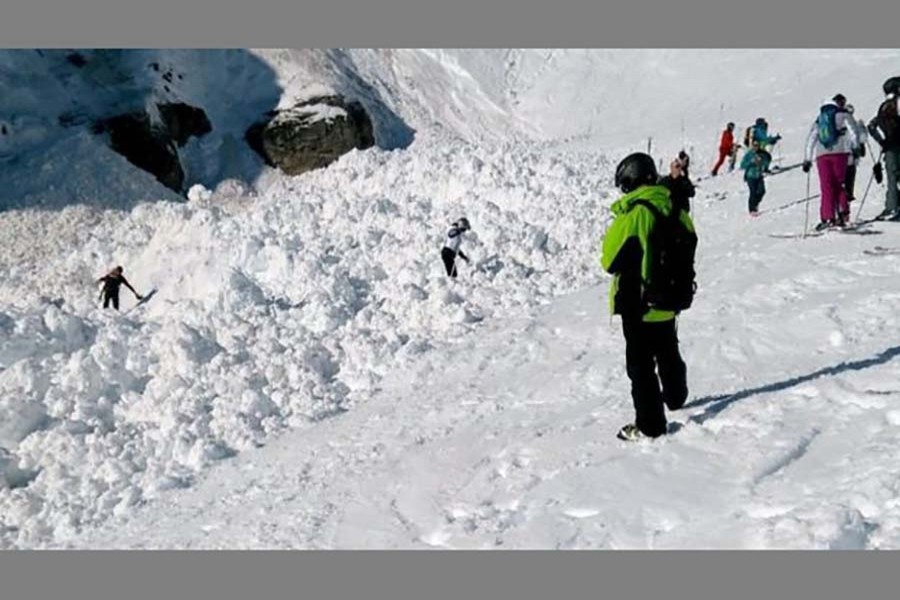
{"x": 451, "y": 247}
{"x": 831, "y": 141}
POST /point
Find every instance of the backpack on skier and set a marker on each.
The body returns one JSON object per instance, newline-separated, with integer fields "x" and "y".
{"x": 888, "y": 121}
{"x": 673, "y": 242}
{"x": 826, "y": 125}
{"x": 748, "y": 136}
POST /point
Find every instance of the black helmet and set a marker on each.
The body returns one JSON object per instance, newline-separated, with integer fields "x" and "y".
{"x": 840, "y": 99}
{"x": 634, "y": 171}
{"x": 760, "y": 121}
{"x": 464, "y": 224}
{"x": 891, "y": 85}
{"x": 730, "y": 125}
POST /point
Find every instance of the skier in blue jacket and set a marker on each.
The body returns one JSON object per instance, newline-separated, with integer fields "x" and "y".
{"x": 759, "y": 132}
{"x": 755, "y": 164}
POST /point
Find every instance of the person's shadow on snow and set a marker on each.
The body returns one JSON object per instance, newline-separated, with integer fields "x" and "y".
{"x": 716, "y": 404}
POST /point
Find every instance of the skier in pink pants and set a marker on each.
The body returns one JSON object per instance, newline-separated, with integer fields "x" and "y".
{"x": 831, "y": 140}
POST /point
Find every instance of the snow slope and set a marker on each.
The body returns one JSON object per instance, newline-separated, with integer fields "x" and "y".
{"x": 305, "y": 343}
{"x": 613, "y": 98}
{"x": 505, "y": 438}
{"x": 272, "y": 313}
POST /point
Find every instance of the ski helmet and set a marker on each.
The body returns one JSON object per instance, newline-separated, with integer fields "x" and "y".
{"x": 464, "y": 224}
{"x": 760, "y": 121}
{"x": 891, "y": 85}
{"x": 730, "y": 125}
{"x": 840, "y": 100}
{"x": 634, "y": 171}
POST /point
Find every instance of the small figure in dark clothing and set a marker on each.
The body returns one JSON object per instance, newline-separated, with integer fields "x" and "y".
{"x": 451, "y": 247}
{"x": 112, "y": 281}
{"x": 685, "y": 161}
{"x": 678, "y": 182}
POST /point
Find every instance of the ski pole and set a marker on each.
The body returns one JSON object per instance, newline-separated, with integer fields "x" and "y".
{"x": 789, "y": 204}
{"x": 868, "y": 185}
{"x": 778, "y": 170}
{"x": 806, "y": 219}
{"x": 874, "y": 162}
{"x": 865, "y": 194}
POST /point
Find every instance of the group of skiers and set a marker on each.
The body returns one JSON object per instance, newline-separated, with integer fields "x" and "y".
{"x": 836, "y": 142}
{"x": 756, "y": 161}
{"x": 649, "y": 247}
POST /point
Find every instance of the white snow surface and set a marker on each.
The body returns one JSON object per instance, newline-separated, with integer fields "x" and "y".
{"x": 307, "y": 377}
{"x": 313, "y": 113}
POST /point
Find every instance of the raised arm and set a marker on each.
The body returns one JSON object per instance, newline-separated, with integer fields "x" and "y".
{"x": 128, "y": 285}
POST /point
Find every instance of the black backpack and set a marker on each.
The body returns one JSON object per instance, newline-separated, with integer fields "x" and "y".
{"x": 889, "y": 122}
{"x": 672, "y": 280}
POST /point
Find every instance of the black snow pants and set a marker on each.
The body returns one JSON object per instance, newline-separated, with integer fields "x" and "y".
{"x": 648, "y": 347}
{"x": 449, "y": 258}
{"x": 757, "y": 191}
{"x": 111, "y": 297}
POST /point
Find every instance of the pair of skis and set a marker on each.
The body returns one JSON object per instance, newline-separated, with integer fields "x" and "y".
{"x": 858, "y": 228}
{"x": 882, "y": 250}
{"x": 775, "y": 170}
{"x": 873, "y": 251}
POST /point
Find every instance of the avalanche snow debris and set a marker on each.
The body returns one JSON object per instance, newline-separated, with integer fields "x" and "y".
{"x": 272, "y": 312}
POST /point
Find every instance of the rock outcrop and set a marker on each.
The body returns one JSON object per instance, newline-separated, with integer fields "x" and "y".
{"x": 312, "y": 134}
{"x": 153, "y": 146}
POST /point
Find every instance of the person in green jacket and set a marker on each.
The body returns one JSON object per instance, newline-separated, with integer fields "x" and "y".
{"x": 651, "y": 337}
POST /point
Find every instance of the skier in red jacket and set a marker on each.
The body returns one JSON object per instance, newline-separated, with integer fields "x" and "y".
{"x": 726, "y": 148}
